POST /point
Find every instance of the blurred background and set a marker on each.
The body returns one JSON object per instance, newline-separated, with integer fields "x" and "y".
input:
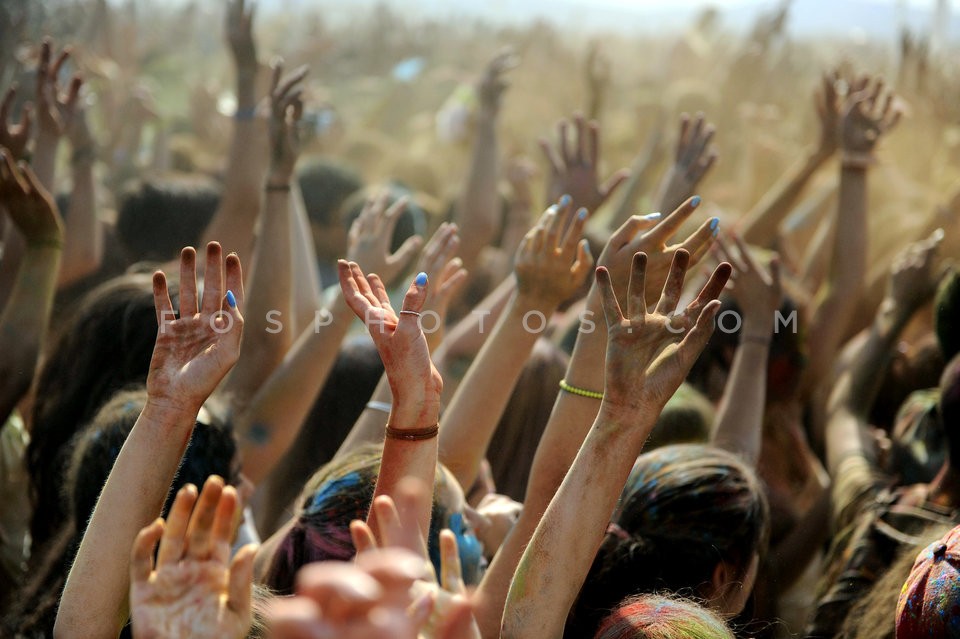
{"x": 391, "y": 86}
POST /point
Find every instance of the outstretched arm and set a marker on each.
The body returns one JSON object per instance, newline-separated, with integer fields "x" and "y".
{"x": 868, "y": 114}
{"x": 739, "y": 424}
{"x": 24, "y": 321}
{"x": 270, "y": 281}
{"x": 912, "y": 282}
{"x": 574, "y": 412}
{"x": 478, "y": 211}
{"x": 760, "y": 225}
{"x": 233, "y": 223}
{"x": 649, "y": 352}
{"x": 83, "y": 250}
{"x": 191, "y": 356}
{"x": 552, "y": 263}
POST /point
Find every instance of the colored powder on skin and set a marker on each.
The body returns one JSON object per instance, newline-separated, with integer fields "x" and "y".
{"x": 330, "y": 489}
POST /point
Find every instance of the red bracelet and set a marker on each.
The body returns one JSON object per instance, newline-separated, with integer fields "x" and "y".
{"x": 413, "y": 434}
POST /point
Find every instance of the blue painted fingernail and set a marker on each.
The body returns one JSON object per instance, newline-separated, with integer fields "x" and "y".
{"x": 231, "y": 300}
{"x": 565, "y": 200}
{"x": 421, "y": 279}
{"x": 715, "y": 226}
{"x": 695, "y": 202}
{"x": 652, "y": 216}
{"x": 582, "y": 214}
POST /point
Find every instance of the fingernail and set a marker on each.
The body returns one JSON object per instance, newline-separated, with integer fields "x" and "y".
{"x": 652, "y": 216}
{"x": 695, "y": 202}
{"x": 565, "y": 200}
{"x": 231, "y": 300}
{"x": 421, "y": 279}
{"x": 715, "y": 226}
{"x": 582, "y": 214}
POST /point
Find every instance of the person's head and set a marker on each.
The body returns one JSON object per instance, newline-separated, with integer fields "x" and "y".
{"x": 212, "y": 450}
{"x": 929, "y": 604}
{"x": 341, "y": 492}
{"x": 660, "y": 617}
{"x": 325, "y": 187}
{"x": 160, "y": 216}
{"x": 873, "y": 616}
{"x": 692, "y": 520}
{"x": 526, "y": 415}
{"x": 104, "y": 345}
{"x": 946, "y": 319}
{"x": 950, "y": 409}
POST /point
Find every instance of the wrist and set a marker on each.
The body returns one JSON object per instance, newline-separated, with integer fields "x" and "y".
{"x": 170, "y": 411}
{"x": 631, "y": 417}
{"x": 414, "y": 412}
{"x": 892, "y": 316}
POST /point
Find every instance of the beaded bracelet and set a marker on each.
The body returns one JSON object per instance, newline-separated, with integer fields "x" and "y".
{"x": 412, "y": 434}
{"x": 582, "y": 392}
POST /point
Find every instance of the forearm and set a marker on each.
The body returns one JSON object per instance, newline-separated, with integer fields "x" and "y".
{"x": 475, "y": 410}
{"x": 544, "y": 588}
{"x": 95, "y": 598}
{"x": 83, "y": 246}
{"x": 269, "y": 324}
{"x": 23, "y": 323}
{"x": 233, "y": 223}
{"x": 559, "y": 445}
{"x": 271, "y": 421}
{"x": 739, "y": 422}
{"x": 477, "y": 213}
{"x": 760, "y": 224}
{"x": 414, "y": 459}
{"x": 837, "y": 300}
{"x": 44, "y": 160}
{"x": 306, "y": 279}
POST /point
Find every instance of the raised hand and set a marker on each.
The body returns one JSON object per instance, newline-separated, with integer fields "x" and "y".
{"x": 868, "y": 113}
{"x": 553, "y": 259}
{"x": 442, "y": 267}
{"x": 694, "y": 159}
{"x": 194, "y": 590}
{"x": 286, "y": 109}
{"x": 913, "y": 278}
{"x": 756, "y": 289}
{"x": 371, "y": 235}
{"x": 828, "y": 106}
{"x": 196, "y": 350}
{"x": 55, "y": 111}
{"x": 413, "y": 379}
{"x": 573, "y": 171}
{"x": 14, "y": 138}
{"x": 650, "y": 353}
{"x": 492, "y": 85}
{"x": 29, "y": 205}
{"x": 650, "y": 234}
{"x": 240, "y": 34}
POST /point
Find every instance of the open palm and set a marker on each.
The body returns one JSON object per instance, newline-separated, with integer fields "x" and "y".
{"x": 194, "y": 351}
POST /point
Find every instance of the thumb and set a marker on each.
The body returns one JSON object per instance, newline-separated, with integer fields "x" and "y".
{"x": 241, "y": 580}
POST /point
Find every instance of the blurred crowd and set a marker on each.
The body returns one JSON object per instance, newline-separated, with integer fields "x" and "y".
{"x": 395, "y": 327}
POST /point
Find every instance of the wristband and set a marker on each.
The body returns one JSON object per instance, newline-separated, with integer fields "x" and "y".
{"x": 857, "y": 160}
{"x": 582, "y": 392}
{"x": 277, "y": 188}
{"x": 413, "y": 434}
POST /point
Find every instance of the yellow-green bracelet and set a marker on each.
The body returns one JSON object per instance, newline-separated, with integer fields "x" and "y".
{"x": 582, "y": 392}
